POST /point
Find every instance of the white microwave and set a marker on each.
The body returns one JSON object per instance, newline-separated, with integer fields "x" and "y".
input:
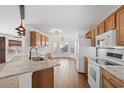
{"x": 107, "y": 39}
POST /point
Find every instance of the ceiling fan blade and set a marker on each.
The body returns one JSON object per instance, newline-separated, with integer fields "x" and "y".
{"x": 22, "y": 11}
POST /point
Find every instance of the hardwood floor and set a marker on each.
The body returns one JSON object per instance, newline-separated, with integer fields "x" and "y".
{"x": 66, "y": 76}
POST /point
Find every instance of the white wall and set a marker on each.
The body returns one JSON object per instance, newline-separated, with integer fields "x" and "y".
{"x": 9, "y": 19}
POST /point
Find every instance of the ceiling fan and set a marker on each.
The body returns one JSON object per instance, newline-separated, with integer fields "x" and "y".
{"x": 21, "y": 29}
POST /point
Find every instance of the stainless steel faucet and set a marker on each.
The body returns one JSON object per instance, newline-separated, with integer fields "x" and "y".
{"x": 30, "y": 54}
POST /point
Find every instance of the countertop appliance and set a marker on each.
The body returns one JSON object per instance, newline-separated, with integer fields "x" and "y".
{"x": 94, "y": 68}
{"x": 107, "y": 39}
{"x": 81, "y": 50}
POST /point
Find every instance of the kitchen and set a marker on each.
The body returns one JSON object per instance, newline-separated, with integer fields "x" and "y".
{"x": 38, "y": 53}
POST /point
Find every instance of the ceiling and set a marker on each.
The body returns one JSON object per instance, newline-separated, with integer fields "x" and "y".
{"x": 70, "y": 19}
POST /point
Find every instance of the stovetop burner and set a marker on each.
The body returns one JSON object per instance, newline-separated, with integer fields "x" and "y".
{"x": 106, "y": 62}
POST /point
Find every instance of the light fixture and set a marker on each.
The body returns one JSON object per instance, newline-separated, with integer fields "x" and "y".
{"x": 21, "y": 29}
{"x": 56, "y": 31}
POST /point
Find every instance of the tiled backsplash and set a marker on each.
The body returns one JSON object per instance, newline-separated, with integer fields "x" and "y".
{"x": 40, "y": 51}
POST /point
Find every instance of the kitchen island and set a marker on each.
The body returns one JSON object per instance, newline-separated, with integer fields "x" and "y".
{"x": 28, "y": 73}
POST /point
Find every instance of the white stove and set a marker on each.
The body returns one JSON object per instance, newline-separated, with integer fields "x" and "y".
{"x": 94, "y": 68}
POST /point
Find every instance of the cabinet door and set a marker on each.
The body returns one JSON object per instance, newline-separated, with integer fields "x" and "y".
{"x": 110, "y": 23}
{"x": 35, "y": 39}
{"x": 38, "y": 42}
{"x": 93, "y": 38}
{"x": 101, "y": 28}
{"x": 96, "y": 31}
{"x": 43, "y": 78}
{"x": 43, "y": 40}
{"x": 106, "y": 83}
{"x": 120, "y": 27}
{"x": 2, "y": 49}
{"x": 114, "y": 81}
{"x": 46, "y": 41}
{"x": 88, "y": 35}
{"x": 86, "y": 65}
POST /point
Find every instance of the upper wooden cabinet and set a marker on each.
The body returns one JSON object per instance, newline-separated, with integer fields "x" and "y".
{"x": 114, "y": 21}
{"x": 43, "y": 42}
{"x": 35, "y": 39}
{"x": 120, "y": 27}
{"x": 96, "y": 31}
{"x": 46, "y": 41}
{"x": 110, "y": 23}
{"x": 14, "y": 43}
{"x": 93, "y": 38}
{"x": 88, "y": 35}
{"x": 101, "y": 28}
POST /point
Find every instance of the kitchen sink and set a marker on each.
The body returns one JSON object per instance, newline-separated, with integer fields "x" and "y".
{"x": 38, "y": 58}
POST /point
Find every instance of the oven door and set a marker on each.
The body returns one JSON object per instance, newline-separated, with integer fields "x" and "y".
{"x": 93, "y": 75}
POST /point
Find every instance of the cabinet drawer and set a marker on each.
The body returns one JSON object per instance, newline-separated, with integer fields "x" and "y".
{"x": 106, "y": 84}
{"x": 113, "y": 80}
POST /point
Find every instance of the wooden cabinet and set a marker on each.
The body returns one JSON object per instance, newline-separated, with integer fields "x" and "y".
{"x": 46, "y": 41}
{"x": 35, "y": 39}
{"x": 110, "y": 81}
{"x": 15, "y": 43}
{"x": 86, "y": 65}
{"x": 120, "y": 27}
{"x": 38, "y": 39}
{"x": 88, "y": 35}
{"x": 43, "y": 42}
{"x": 93, "y": 38}
{"x": 110, "y": 23}
{"x": 101, "y": 28}
{"x": 2, "y": 49}
{"x": 96, "y": 31}
{"x": 114, "y": 21}
{"x": 43, "y": 78}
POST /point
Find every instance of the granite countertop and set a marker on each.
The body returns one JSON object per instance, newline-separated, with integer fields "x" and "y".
{"x": 22, "y": 65}
{"x": 117, "y": 71}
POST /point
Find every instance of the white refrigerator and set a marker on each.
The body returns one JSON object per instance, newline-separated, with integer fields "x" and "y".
{"x": 82, "y": 49}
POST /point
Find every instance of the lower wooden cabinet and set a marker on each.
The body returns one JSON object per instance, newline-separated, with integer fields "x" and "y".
{"x": 43, "y": 78}
{"x": 110, "y": 81}
{"x": 86, "y": 65}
